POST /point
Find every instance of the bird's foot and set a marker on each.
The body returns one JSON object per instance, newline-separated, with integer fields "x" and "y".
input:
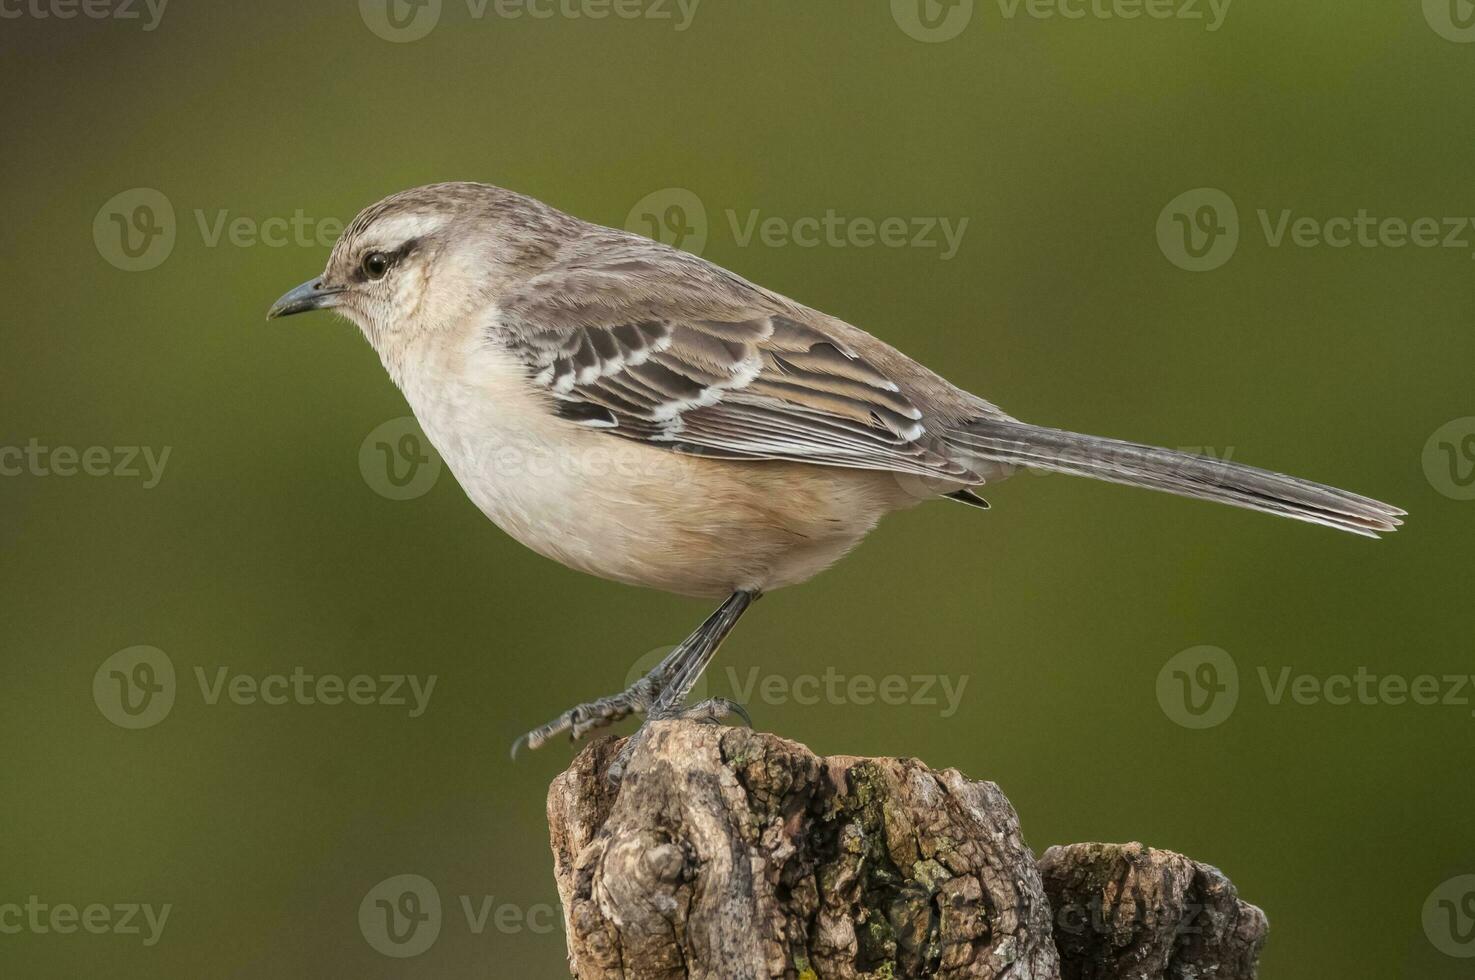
{"x": 582, "y": 719}
{"x": 660, "y": 693}
{"x": 712, "y": 711}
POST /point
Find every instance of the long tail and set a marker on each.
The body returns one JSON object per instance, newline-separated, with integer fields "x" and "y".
{"x": 1020, "y": 444}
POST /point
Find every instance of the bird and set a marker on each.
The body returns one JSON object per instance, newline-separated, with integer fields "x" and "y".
{"x": 639, "y": 413}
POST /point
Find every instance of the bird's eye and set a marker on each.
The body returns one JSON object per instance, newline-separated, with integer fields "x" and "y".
{"x": 376, "y": 265}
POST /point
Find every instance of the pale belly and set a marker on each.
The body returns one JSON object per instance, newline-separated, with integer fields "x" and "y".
{"x": 635, "y": 513}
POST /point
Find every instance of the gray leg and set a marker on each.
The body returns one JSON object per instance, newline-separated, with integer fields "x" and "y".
{"x": 696, "y": 652}
{"x": 662, "y": 692}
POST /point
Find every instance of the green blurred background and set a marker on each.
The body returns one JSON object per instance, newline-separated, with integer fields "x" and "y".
{"x": 263, "y": 548}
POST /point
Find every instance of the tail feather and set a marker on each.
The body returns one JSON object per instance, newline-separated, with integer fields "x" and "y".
{"x": 1185, "y": 474}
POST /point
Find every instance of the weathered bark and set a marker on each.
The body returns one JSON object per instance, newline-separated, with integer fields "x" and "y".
{"x": 732, "y": 855}
{"x": 1124, "y": 910}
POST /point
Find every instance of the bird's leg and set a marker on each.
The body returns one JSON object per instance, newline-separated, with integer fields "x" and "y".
{"x": 686, "y": 664}
{"x": 691, "y": 658}
{"x": 676, "y": 673}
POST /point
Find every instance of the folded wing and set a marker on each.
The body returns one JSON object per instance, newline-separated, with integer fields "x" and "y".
{"x": 680, "y": 354}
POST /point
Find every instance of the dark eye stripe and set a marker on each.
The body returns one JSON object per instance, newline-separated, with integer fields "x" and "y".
{"x": 392, "y": 258}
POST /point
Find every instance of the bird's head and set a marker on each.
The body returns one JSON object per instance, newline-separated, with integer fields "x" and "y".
{"x": 425, "y": 259}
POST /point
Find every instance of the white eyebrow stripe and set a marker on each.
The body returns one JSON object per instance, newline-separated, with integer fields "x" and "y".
{"x": 393, "y": 231}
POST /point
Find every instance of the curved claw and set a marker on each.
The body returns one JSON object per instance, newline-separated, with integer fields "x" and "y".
{"x": 536, "y": 738}
{"x": 533, "y": 741}
{"x": 741, "y": 712}
{"x": 713, "y": 710}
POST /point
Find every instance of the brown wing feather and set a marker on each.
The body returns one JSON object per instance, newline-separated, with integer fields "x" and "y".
{"x": 678, "y": 353}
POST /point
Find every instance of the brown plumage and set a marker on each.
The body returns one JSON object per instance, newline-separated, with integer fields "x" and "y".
{"x": 756, "y": 440}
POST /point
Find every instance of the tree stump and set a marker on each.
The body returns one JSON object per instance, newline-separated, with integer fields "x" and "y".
{"x": 727, "y": 854}
{"x": 1124, "y": 910}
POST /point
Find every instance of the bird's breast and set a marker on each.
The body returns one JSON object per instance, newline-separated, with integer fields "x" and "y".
{"x": 625, "y": 510}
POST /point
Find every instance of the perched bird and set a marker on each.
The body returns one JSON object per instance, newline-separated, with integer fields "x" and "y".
{"x": 642, "y": 414}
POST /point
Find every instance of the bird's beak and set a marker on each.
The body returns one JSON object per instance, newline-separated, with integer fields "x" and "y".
{"x": 311, "y": 295}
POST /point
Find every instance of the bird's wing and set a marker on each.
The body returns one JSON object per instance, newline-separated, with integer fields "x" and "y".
{"x": 673, "y": 351}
